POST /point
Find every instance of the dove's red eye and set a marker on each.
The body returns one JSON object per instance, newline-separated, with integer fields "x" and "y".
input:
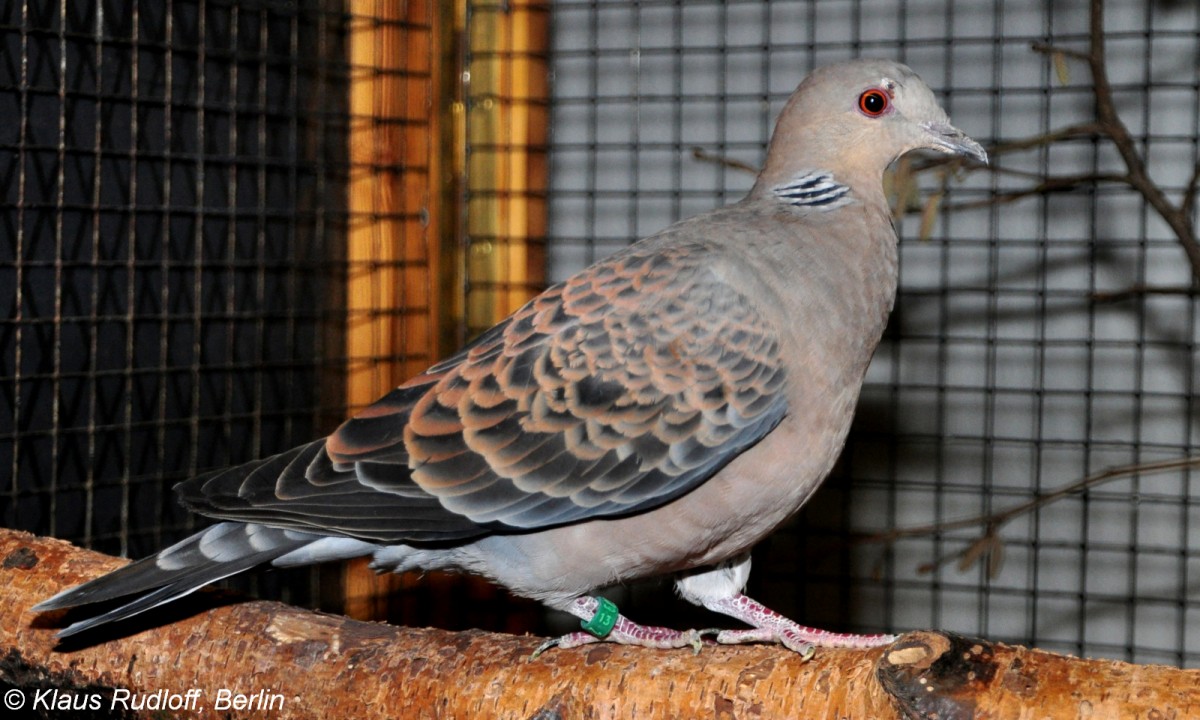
{"x": 873, "y": 103}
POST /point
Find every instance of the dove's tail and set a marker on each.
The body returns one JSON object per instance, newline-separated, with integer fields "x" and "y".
{"x": 214, "y": 553}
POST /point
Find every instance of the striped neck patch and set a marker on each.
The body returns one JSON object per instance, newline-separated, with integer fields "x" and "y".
{"x": 815, "y": 189}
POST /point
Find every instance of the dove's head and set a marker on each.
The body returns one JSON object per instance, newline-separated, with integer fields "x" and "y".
{"x": 853, "y": 119}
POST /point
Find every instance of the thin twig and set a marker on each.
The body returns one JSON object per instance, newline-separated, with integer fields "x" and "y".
{"x": 1048, "y": 49}
{"x": 703, "y": 155}
{"x": 1082, "y": 130}
{"x": 1141, "y": 290}
{"x": 1003, "y": 516}
{"x": 1046, "y": 186}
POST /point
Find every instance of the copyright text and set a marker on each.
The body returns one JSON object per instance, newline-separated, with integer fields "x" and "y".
{"x": 193, "y": 700}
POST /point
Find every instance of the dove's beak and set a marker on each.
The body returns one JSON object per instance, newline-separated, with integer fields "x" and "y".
{"x": 949, "y": 139}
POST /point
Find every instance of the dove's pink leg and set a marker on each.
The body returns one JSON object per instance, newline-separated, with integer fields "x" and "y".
{"x": 770, "y": 626}
{"x": 624, "y": 632}
{"x": 720, "y": 589}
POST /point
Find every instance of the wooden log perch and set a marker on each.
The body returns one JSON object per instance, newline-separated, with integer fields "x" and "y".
{"x": 204, "y": 655}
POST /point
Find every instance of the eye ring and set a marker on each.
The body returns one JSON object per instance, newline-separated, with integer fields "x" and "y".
{"x": 873, "y": 103}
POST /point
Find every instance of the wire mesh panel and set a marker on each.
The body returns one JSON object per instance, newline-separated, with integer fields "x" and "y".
{"x": 1045, "y": 329}
{"x": 172, "y": 174}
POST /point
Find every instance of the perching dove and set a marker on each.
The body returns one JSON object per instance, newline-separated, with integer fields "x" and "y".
{"x": 658, "y": 413}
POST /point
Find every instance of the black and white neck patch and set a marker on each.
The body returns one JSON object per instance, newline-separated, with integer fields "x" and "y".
{"x": 815, "y": 189}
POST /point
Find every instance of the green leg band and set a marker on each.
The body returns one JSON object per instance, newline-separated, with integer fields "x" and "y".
{"x": 603, "y": 621}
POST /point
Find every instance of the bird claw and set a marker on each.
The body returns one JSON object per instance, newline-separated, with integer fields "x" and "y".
{"x": 571, "y": 640}
{"x": 549, "y": 643}
{"x": 698, "y": 644}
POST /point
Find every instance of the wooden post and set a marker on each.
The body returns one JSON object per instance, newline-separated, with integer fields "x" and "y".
{"x": 389, "y": 259}
{"x": 404, "y": 277}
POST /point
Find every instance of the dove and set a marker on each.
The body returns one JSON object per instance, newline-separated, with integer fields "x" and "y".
{"x": 658, "y": 413}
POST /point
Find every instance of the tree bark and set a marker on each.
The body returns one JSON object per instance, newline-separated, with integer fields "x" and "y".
{"x": 282, "y": 662}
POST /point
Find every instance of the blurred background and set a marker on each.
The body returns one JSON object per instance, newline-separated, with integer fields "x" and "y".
{"x": 226, "y": 226}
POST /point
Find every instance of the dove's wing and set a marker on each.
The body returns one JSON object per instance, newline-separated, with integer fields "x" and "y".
{"x": 609, "y": 394}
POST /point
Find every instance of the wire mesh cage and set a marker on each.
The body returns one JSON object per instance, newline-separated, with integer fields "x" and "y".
{"x": 230, "y": 224}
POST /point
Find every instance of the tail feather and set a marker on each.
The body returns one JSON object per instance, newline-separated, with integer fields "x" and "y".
{"x": 213, "y": 554}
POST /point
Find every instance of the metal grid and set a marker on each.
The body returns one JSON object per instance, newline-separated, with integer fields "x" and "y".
{"x": 1007, "y": 371}
{"x": 172, "y": 174}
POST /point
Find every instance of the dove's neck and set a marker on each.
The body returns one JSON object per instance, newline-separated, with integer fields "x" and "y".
{"x": 811, "y": 183}
{"x": 846, "y": 154}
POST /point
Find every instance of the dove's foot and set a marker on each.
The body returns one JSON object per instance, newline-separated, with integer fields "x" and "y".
{"x": 771, "y": 627}
{"x": 627, "y": 632}
{"x": 603, "y": 623}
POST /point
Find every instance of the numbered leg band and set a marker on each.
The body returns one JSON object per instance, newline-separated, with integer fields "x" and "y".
{"x": 603, "y": 620}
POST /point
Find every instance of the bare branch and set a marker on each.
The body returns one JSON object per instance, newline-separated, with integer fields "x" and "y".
{"x": 288, "y": 664}
{"x": 1189, "y": 193}
{"x": 1114, "y": 128}
{"x": 993, "y": 521}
